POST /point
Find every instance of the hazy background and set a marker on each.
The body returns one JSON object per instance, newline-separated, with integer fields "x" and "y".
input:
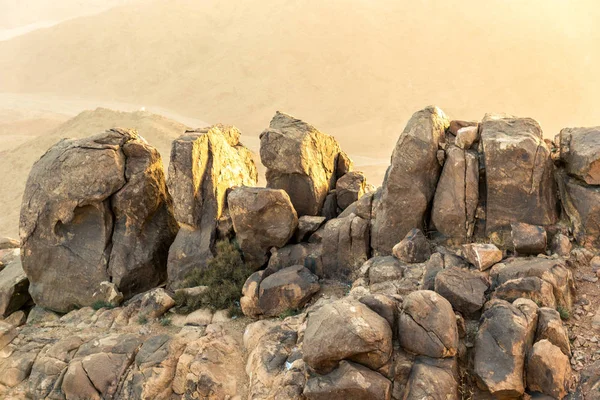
{"x": 355, "y": 69}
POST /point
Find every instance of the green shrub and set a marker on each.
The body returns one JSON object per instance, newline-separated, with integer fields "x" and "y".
{"x": 224, "y": 276}
{"x": 142, "y": 319}
{"x": 102, "y": 304}
{"x": 564, "y": 313}
{"x": 290, "y": 312}
{"x": 165, "y": 321}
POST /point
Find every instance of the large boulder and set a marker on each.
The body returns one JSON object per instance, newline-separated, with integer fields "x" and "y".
{"x": 345, "y": 246}
{"x": 427, "y": 325}
{"x": 94, "y": 210}
{"x": 582, "y": 205}
{"x": 204, "y": 164}
{"x": 464, "y": 289}
{"x": 432, "y": 379}
{"x": 519, "y": 173}
{"x": 548, "y": 370}
{"x": 528, "y": 239}
{"x": 349, "y": 188}
{"x": 580, "y": 151}
{"x": 262, "y": 218}
{"x": 13, "y": 288}
{"x": 287, "y": 289}
{"x": 346, "y": 330}
{"x": 410, "y": 181}
{"x": 300, "y": 160}
{"x": 457, "y": 195}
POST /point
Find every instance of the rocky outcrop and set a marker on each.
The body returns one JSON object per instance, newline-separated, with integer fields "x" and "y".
{"x": 204, "y": 165}
{"x": 262, "y": 218}
{"x": 579, "y": 149}
{"x": 302, "y": 161}
{"x": 519, "y": 173}
{"x": 345, "y": 246}
{"x": 410, "y": 181}
{"x": 95, "y": 210}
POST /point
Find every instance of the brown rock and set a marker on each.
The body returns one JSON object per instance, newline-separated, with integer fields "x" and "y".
{"x": 427, "y": 325}
{"x": 307, "y": 254}
{"x": 106, "y": 220}
{"x": 345, "y": 246}
{"x": 432, "y": 379}
{"x": 548, "y": 370}
{"x": 249, "y": 300}
{"x": 531, "y": 287}
{"x": 287, "y": 289}
{"x": 307, "y": 225}
{"x": 383, "y": 269}
{"x": 13, "y": 288}
{"x": 582, "y": 205}
{"x": 465, "y": 290}
{"x": 551, "y": 328}
{"x": 580, "y": 151}
{"x": 456, "y": 125}
{"x": 414, "y": 248}
{"x": 8, "y": 243}
{"x": 528, "y": 239}
{"x": 410, "y": 181}
{"x": 481, "y": 255}
{"x": 262, "y": 218}
{"x": 7, "y": 333}
{"x": 346, "y": 330}
{"x": 384, "y": 305}
{"x": 349, "y": 188}
{"x": 155, "y": 303}
{"x": 466, "y": 136}
{"x": 561, "y": 245}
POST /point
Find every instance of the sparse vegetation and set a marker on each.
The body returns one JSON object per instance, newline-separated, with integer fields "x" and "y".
{"x": 564, "y": 313}
{"x": 224, "y": 276}
{"x": 102, "y": 304}
{"x": 290, "y": 312}
{"x": 165, "y": 321}
{"x": 142, "y": 319}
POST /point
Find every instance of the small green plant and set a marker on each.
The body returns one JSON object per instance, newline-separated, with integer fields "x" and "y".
{"x": 102, "y": 304}
{"x": 165, "y": 321}
{"x": 142, "y": 319}
{"x": 564, "y": 313}
{"x": 290, "y": 312}
{"x": 224, "y": 275}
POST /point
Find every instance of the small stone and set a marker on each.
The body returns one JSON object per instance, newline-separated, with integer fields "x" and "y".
{"x": 414, "y": 248}
{"x": 481, "y": 255}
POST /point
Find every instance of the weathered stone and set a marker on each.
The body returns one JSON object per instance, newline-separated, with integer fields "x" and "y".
{"x": 433, "y": 266}
{"x": 582, "y": 205}
{"x": 528, "y": 239}
{"x": 482, "y": 255}
{"x": 531, "y": 287}
{"x": 39, "y": 315}
{"x": 7, "y": 333}
{"x": 249, "y": 300}
{"x": 457, "y": 195}
{"x": 410, "y": 181}
{"x": 13, "y": 288}
{"x": 346, "y": 330}
{"x": 204, "y": 164}
{"x": 561, "y": 245}
{"x": 386, "y": 306}
{"x": 17, "y": 360}
{"x": 456, "y": 125}
{"x": 95, "y": 210}
{"x": 345, "y": 246}
{"x": 200, "y": 317}
{"x": 8, "y": 243}
{"x": 330, "y": 207}
{"x": 262, "y": 218}
{"x": 432, "y": 379}
{"x": 519, "y": 173}
{"x": 155, "y": 303}
{"x": 580, "y": 151}
{"x": 466, "y": 136}
{"x": 300, "y": 160}
{"x": 465, "y": 290}
{"x": 307, "y": 254}
{"x": 383, "y": 269}
{"x": 500, "y": 349}
{"x": 551, "y": 328}
{"x": 414, "y": 248}
{"x": 548, "y": 370}
{"x": 307, "y": 225}
{"x": 349, "y": 188}
{"x": 288, "y": 289}
{"x": 349, "y": 381}
{"x": 427, "y": 325}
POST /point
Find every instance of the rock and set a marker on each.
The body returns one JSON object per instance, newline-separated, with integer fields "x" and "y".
{"x": 383, "y": 269}
{"x": 205, "y": 164}
{"x": 432, "y": 379}
{"x": 288, "y": 289}
{"x": 548, "y": 370}
{"x": 410, "y": 181}
{"x": 13, "y": 288}
{"x": 108, "y": 293}
{"x": 427, "y": 325}
{"x": 346, "y": 330}
{"x": 345, "y": 246}
{"x": 300, "y": 160}
{"x": 249, "y": 300}
{"x": 456, "y": 125}
{"x": 589, "y": 381}
{"x": 549, "y": 270}
{"x": 349, "y": 188}
{"x": 465, "y": 290}
{"x": 155, "y": 303}
{"x": 519, "y": 173}
{"x": 550, "y": 328}
{"x": 95, "y": 209}
{"x": 262, "y": 218}
{"x": 500, "y": 348}
{"x": 414, "y": 248}
{"x": 528, "y": 239}
{"x": 466, "y": 136}
{"x": 457, "y": 195}
{"x": 349, "y": 381}
{"x": 582, "y": 205}
{"x": 39, "y": 315}
{"x": 16, "y": 319}
{"x": 7, "y": 333}
{"x": 561, "y": 245}
{"x": 8, "y": 243}
{"x": 307, "y": 254}
{"x": 307, "y": 225}
{"x": 200, "y": 317}
{"x": 386, "y": 306}
{"x": 433, "y": 266}
{"x": 531, "y": 287}
{"x": 580, "y": 151}
{"x": 330, "y": 206}
{"x": 482, "y": 255}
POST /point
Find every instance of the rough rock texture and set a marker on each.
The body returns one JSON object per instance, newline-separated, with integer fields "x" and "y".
{"x": 262, "y": 218}
{"x": 346, "y": 330}
{"x": 550, "y": 327}
{"x": 307, "y": 254}
{"x": 349, "y": 188}
{"x": 457, "y": 195}
{"x": 548, "y": 370}
{"x": 249, "y": 300}
{"x": 95, "y": 209}
{"x": 464, "y": 289}
{"x": 8, "y": 243}
{"x": 414, "y": 248}
{"x": 307, "y": 225}
{"x": 482, "y": 255}
{"x": 427, "y": 325}
{"x": 345, "y": 246}
{"x": 204, "y": 164}
{"x": 410, "y": 181}
{"x": 432, "y": 379}
{"x": 528, "y": 239}
{"x": 519, "y": 173}
{"x": 13, "y": 288}
{"x": 580, "y": 151}
{"x": 300, "y": 160}
{"x": 530, "y": 287}
{"x": 466, "y": 136}
{"x": 500, "y": 349}
{"x": 287, "y": 289}
{"x": 582, "y": 205}
{"x": 561, "y": 245}
{"x": 349, "y": 381}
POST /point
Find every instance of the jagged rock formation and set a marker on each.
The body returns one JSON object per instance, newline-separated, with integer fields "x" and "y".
{"x": 204, "y": 164}
{"x": 95, "y": 210}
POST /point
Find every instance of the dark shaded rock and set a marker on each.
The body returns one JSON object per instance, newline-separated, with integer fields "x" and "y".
{"x": 330, "y": 206}
{"x": 414, "y": 248}
{"x": 464, "y": 289}
{"x": 432, "y": 379}
{"x": 582, "y": 205}
{"x": 433, "y": 266}
{"x": 384, "y": 305}
{"x": 580, "y": 151}
{"x": 307, "y": 254}
{"x": 345, "y": 246}
{"x": 349, "y": 188}
{"x": 307, "y": 225}
{"x": 528, "y": 239}
{"x": 561, "y": 245}
{"x": 551, "y": 328}
{"x": 410, "y": 181}
{"x": 287, "y": 289}
{"x": 13, "y": 288}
